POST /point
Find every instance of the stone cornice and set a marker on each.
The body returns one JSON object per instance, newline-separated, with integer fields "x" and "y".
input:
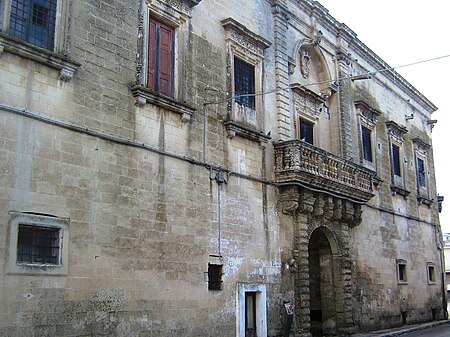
{"x": 241, "y": 35}
{"x": 342, "y": 31}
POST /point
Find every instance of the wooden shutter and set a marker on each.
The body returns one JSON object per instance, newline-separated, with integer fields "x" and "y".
{"x": 152, "y": 48}
{"x": 165, "y": 59}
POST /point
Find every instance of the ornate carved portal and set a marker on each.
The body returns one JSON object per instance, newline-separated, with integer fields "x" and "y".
{"x": 321, "y": 242}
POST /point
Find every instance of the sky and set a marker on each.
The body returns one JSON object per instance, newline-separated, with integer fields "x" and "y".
{"x": 403, "y": 32}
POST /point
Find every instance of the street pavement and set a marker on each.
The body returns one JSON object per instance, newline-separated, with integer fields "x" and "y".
{"x": 432, "y": 329}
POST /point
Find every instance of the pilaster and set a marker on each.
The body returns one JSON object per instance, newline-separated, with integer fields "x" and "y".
{"x": 280, "y": 17}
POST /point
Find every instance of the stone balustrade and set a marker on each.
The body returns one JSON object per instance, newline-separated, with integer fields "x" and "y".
{"x": 300, "y": 163}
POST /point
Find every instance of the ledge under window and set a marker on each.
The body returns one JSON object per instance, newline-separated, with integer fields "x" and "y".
{"x": 143, "y": 95}
{"x": 66, "y": 66}
{"x": 234, "y": 128}
{"x": 425, "y": 201}
{"x": 400, "y": 191}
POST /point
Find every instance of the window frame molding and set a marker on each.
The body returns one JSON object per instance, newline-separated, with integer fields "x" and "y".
{"x": 59, "y": 57}
{"x": 14, "y": 267}
{"x": 396, "y": 135}
{"x": 249, "y": 47}
{"x": 402, "y": 262}
{"x": 307, "y": 106}
{"x": 431, "y": 280}
{"x": 421, "y": 151}
{"x": 261, "y": 310}
{"x": 368, "y": 118}
{"x": 175, "y": 13}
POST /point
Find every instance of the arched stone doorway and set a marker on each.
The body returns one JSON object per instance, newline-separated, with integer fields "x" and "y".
{"x": 323, "y": 280}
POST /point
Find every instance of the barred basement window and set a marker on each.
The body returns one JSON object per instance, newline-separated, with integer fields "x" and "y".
{"x": 244, "y": 83}
{"x": 214, "y": 276}
{"x": 38, "y": 245}
{"x": 34, "y": 22}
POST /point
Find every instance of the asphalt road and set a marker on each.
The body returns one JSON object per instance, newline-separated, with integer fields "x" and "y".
{"x": 436, "y": 331}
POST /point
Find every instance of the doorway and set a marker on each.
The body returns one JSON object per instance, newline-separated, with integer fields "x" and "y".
{"x": 322, "y": 284}
{"x": 251, "y": 310}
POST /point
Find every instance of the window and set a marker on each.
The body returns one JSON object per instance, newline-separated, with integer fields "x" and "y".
{"x": 366, "y": 143}
{"x": 306, "y": 131}
{"x": 401, "y": 271}
{"x": 431, "y": 272}
{"x": 39, "y": 30}
{"x": 163, "y": 42}
{"x": 367, "y": 119}
{"x": 244, "y": 78}
{"x": 214, "y": 276}
{"x": 38, "y": 244}
{"x": 421, "y": 172}
{"x": 161, "y": 57}
{"x": 251, "y": 310}
{"x": 396, "y": 160}
{"x": 244, "y": 83}
{"x": 33, "y": 22}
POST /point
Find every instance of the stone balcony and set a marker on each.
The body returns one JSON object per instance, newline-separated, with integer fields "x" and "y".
{"x": 300, "y": 163}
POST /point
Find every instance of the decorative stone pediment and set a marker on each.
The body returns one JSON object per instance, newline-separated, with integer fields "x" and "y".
{"x": 421, "y": 146}
{"x": 306, "y": 102}
{"x": 244, "y": 42}
{"x": 396, "y": 132}
{"x": 368, "y": 115}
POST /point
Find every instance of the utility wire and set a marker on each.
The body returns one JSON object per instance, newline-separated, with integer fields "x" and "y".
{"x": 369, "y": 73}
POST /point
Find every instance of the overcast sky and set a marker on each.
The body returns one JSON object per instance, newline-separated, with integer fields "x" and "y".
{"x": 403, "y": 32}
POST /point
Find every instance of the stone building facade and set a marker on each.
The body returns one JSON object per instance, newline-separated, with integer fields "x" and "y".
{"x": 194, "y": 167}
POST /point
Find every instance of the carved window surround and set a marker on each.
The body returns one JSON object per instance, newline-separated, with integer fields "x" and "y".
{"x": 421, "y": 149}
{"x": 175, "y": 13}
{"x": 59, "y": 57}
{"x": 308, "y": 106}
{"x": 368, "y": 118}
{"x": 396, "y": 137}
{"x": 248, "y": 47}
{"x": 38, "y": 221}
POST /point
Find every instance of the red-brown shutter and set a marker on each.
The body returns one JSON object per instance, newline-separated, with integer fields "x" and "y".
{"x": 152, "y": 48}
{"x": 165, "y": 59}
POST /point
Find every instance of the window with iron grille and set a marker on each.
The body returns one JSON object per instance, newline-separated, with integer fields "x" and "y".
{"x": 244, "y": 83}
{"x": 306, "y": 131}
{"x": 396, "y": 160}
{"x": 421, "y": 172}
{"x": 214, "y": 276}
{"x": 366, "y": 143}
{"x": 39, "y": 245}
{"x": 33, "y": 21}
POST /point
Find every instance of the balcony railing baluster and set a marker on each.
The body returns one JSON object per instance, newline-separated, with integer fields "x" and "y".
{"x": 300, "y": 162}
